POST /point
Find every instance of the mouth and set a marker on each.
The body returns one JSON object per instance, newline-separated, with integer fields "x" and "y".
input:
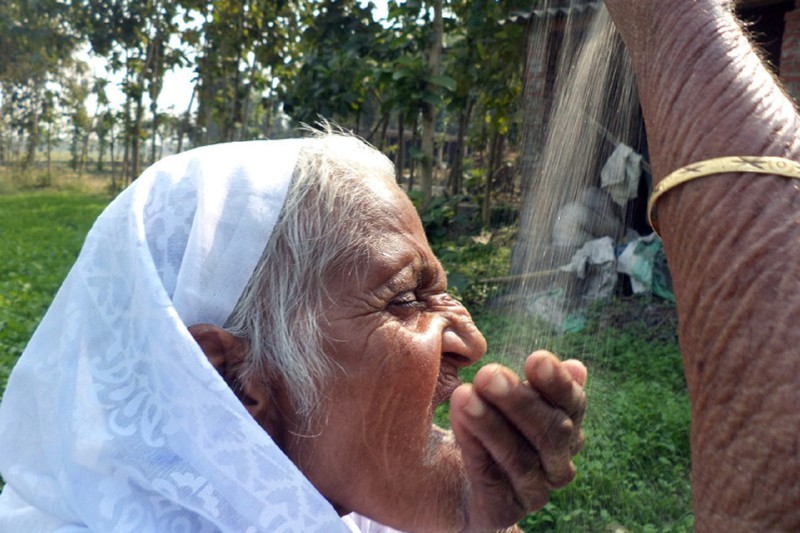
{"x": 447, "y": 382}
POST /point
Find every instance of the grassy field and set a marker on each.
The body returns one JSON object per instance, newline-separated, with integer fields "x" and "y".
{"x": 42, "y": 233}
{"x": 634, "y": 471}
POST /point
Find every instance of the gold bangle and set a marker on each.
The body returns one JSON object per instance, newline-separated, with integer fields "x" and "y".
{"x": 777, "y": 166}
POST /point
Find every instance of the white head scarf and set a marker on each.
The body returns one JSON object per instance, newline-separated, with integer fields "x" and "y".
{"x": 113, "y": 419}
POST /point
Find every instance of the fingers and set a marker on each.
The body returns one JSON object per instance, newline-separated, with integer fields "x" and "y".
{"x": 576, "y": 370}
{"x": 506, "y": 478}
{"x": 532, "y": 419}
{"x": 517, "y": 438}
{"x": 560, "y": 383}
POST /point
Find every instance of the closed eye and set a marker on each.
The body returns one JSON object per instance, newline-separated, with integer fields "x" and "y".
{"x": 407, "y": 299}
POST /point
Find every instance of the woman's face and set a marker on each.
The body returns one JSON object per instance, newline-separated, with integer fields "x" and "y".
{"x": 398, "y": 339}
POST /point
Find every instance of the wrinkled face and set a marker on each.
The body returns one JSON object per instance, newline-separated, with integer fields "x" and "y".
{"x": 398, "y": 340}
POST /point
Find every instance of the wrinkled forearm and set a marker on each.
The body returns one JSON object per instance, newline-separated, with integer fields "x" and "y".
{"x": 733, "y": 245}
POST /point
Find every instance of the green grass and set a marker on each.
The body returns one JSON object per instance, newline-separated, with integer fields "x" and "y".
{"x": 42, "y": 233}
{"x": 633, "y": 474}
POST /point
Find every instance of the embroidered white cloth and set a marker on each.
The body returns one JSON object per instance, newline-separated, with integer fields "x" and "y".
{"x": 113, "y": 419}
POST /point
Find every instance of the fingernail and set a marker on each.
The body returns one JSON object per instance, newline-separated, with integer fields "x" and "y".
{"x": 498, "y": 385}
{"x": 545, "y": 370}
{"x": 475, "y": 406}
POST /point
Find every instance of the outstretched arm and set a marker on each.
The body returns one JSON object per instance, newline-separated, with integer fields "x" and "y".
{"x": 733, "y": 246}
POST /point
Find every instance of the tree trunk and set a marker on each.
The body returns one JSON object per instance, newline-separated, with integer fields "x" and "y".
{"x": 49, "y": 152}
{"x": 156, "y": 83}
{"x": 153, "y": 132}
{"x": 2, "y": 137}
{"x": 412, "y": 163}
{"x": 135, "y": 168}
{"x": 33, "y": 133}
{"x": 380, "y": 124}
{"x": 101, "y": 151}
{"x": 84, "y": 154}
{"x": 185, "y": 122}
{"x": 495, "y": 156}
{"x": 429, "y": 112}
{"x": 268, "y": 119}
{"x": 243, "y": 132}
{"x": 399, "y": 158}
{"x": 457, "y": 171}
{"x": 126, "y": 139}
{"x": 111, "y": 144}
{"x": 384, "y": 128}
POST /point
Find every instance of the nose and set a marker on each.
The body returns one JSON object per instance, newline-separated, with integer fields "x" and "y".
{"x": 462, "y": 342}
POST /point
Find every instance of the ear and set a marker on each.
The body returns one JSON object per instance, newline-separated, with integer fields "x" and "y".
{"x": 226, "y": 352}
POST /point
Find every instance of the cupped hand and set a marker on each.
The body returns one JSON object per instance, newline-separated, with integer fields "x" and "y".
{"x": 518, "y": 437}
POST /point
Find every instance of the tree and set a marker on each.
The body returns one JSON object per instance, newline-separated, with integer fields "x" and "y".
{"x": 340, "y": 47}
{"x": 76, "y": 94}
{"x": 134, "y": 36}
{"x": 36, "y": 40}
{"x": 489, "y": 90}
{"x": 429, "y": 110}
{"x": 244, "y": 48}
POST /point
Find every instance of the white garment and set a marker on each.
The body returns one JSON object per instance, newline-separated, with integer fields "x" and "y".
{"x": 620, "y": 174}
{"x": 362, "y": 524}
{"x": 113, "y": 419}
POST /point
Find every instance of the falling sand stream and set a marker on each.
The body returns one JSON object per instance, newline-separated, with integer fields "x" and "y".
{"x": 590, "y": 109}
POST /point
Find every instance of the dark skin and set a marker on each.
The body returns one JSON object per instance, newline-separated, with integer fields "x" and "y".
{"x": 732, "y": 245}
{"x": 399, "y": 339}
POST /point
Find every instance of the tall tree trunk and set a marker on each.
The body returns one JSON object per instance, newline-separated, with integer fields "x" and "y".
{"x": 126, "y": 139}
{"x": 49, "y": 151}
{"x": 268, "y": 118}
{"x": 457, "y": 171}
{"x": 2, "y": 138}
{"x": 245, "y": 120}
{"x": 33, "y": 133}
{"x": 495, "y": 156}
{"x": 399, "y": 159}
{"x": 185, "y": 122}
{"x": 380, "y": 124}
{"x": 84, "y": 154}
{"x": 235, "y": 106}
{"x": 111, "y": 144}
{"x": 384, "y": 128}
{"x": 135, "y": 140}
{"x": 412, "y": 164}
{"x": 101, "y": 151}
{"x": 153, "y": 133}
{"x": 429, "y": 112}
{"x": 156, "y": 82}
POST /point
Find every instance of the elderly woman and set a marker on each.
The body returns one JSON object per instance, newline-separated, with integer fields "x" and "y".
{"x": 254, "y": 338}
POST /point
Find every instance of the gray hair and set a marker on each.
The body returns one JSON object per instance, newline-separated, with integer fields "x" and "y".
{"x": 320, "y": 231}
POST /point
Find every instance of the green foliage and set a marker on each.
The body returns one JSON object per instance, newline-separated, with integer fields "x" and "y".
{"x": 468, "y": 261}
{"x": 34, "y": 39}
{"x": 340, "y": 47}
{"x": 42, "y": 233}
{"x": 440, "y": 216}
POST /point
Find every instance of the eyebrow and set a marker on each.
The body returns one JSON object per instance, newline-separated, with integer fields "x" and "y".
{"x": 408, "y": 277}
